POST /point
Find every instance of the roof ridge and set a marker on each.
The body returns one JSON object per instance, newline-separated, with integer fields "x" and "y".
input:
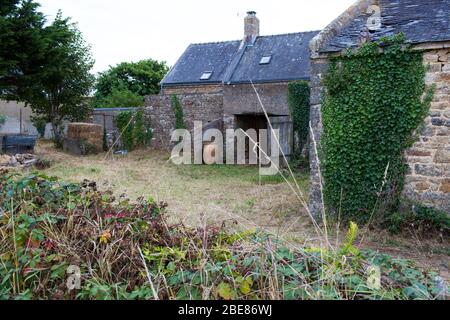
{"x": 213, "y": 42}
{"x": 289, "y": 33}
{"x": 264, "y": 36}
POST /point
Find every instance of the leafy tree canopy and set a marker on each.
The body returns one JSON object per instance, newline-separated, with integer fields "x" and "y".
{"x": 122, "y": 98}
{"x": 45, "y": 65}
{"x": 22, "y": 46}
{"x": 124, "y": 82}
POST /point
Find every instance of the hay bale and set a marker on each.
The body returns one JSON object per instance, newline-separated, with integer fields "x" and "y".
{"x": 84, "y": 136}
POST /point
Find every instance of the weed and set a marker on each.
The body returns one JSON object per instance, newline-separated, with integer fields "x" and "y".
{"x": 127, "y": 250}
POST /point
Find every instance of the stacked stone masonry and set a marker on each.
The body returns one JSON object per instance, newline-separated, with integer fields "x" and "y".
{"x": 196, "y": 107}
{"x": 212, "y": 103}
{"x": 428, "y": 180}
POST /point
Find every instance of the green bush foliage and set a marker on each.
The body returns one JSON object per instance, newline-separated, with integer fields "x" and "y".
{"x": 142, "y": 133}
{"x": 126, "y": 84}
{"x": 135, "y": 128}
{"x": 373, "y": 105}
{"x": 2, "y": 119}
{"x": 178, "y": 111}
{"x": 123, "y": 98}
{"x": 39, "y": 122}
{"x": 420, "y": 218}
{"x": 299, "y": 103}
{"x": 48, "y": 225}
{"x": 124, "y": 123}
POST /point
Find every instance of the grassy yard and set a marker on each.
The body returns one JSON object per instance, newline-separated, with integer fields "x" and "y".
{"x": 236, "y": 195}
{"x": 195, "y": 194}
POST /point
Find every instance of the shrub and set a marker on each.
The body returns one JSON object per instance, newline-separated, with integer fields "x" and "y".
{"x": 135, "y": 128}
{"x": 372, "y": 107}
{"x": 120, "y": 99}
{"x": 142, "y": 133}
{"x": 47, "y": 225}
{"x": 420, "y": 218}
{"x": 39, "y": 123}
{"x": 299, "y": 104}
{"x": 124, "y": 123}
{"x": 2, "y": 119}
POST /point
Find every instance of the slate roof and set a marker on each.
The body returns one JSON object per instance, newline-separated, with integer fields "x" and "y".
{"x": 231, "y": 62}
{"x": 420, "y": 20}
{"x": 199, "y": 58}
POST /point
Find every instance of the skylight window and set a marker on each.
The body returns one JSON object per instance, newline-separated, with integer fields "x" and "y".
{"x": 206, "y": 75}
{"x": 265, "y": 59}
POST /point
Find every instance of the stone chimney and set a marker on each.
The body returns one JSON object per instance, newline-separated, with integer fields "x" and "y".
{"x": 251, "y": 31}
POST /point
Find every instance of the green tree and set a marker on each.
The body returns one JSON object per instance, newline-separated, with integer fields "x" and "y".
{"x": 23, "y": 47}
{"x": 46, "y": 66}
{"x": 65, "y": 81}
{"x": 119, "y": 83}
{"x": 122, "y": 98}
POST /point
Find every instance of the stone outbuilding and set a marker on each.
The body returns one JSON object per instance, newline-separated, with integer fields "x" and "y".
{"x": 426, "y": 25}
{"x": 214, "y": 83}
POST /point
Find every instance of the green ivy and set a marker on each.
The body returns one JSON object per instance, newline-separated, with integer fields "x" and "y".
{"x": 373, "y": 105}
{"x": 298, "y": 99}
{"x": 178, "y": 110}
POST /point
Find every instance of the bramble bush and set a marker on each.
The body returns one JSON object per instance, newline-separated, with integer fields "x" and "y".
{"x": 372, "y": 107}
{"x": 127, "y": 250}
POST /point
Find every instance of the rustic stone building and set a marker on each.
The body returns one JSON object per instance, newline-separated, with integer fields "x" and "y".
{"x": 426, "y": 25}
{"x": 213, "y": 81}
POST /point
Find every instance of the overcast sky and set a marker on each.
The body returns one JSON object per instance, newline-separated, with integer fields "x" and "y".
{"x": 131, "y": 30}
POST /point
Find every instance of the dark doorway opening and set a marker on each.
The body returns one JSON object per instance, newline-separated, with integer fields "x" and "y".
{"x": 251, "y": 121}
{"x": 258, "y": 122}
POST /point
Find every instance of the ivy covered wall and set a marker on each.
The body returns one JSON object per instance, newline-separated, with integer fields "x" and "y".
{"x": 374, "y": 103}
{"x": 427, "y": 172}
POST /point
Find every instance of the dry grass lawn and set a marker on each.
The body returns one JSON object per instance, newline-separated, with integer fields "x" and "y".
{"x": 231, "y": 194}
{"x": 195, "y": 194}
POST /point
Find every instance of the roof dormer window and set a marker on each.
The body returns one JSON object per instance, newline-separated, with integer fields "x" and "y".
{"x": 265, "y": 59}
{"x": 206, "y": 75}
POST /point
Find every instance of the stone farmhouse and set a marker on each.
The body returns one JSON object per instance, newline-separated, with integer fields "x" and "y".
{"x": 426, "y": 25}
{"x": 213, "y": 82}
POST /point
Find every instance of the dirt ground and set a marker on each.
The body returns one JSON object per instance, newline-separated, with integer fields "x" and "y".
{"x": 235, "y": 195}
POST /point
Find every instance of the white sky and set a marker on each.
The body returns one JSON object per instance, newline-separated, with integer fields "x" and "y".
{"x": 131, "y": 30}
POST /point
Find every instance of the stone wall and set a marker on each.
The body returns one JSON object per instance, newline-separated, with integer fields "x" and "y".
{"x": 206, "y": 107}
{"x": 193, "y": 89}
{"x": 428, "y": 180}
{"x": 429, "y": 159}
{"x": 242, "y": 99}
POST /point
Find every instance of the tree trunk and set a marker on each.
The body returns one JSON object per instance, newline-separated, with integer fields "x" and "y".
{"x": 57, "y": 133}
